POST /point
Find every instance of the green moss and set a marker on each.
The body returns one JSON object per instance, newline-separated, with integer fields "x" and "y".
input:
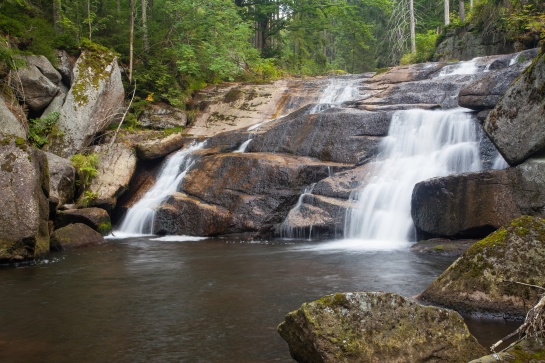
{"x": 105, "y": 228}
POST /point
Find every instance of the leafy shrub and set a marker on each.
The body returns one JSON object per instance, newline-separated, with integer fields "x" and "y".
{"x": 86, "y": 165}
{"x": 425, "y": 47}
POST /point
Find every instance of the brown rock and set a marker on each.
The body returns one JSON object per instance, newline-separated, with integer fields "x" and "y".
{"x": 75, "y": 236}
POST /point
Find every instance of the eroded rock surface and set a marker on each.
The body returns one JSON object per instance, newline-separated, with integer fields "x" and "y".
{"x": 73, "y": 236}
{"x": 96, "y": 218}
{"x": 62, "y": 179}
{"x": 376, "y": 327}
{"x": 482, "y": 280}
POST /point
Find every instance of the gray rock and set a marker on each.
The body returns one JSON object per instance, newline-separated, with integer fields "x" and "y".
{"x": 376, "y": 327}
{"x": 162, "y": 116}
{"x": 158, "y": 148}
{"x": 24, "y": 189}
{"x": 117, "y": 164}
{"x": 96, "y": 218}
{"x": 475, "y": 204}
{"x": 487, "y": 91}
{"x": 65, "y": 66}
{"x": 479, "y": 281}
{"x": 33, "y": 87}
{"x": 93, "y": 102}
{"x": 62, "y": 179}
{"x": 9, "y": 123}
{"x": 517, "y": 125}
{"x": 44, "y": 65}
{"x": 75, "y": 235}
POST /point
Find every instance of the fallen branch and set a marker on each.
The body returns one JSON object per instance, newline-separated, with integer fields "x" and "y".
{"x": 124, "y": 115}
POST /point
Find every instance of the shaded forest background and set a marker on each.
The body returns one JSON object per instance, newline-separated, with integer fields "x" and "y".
{"x": 170, "y": 48}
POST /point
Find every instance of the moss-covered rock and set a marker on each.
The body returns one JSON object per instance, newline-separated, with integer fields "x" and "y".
{"x": 75, "y": 236}
{"x": 532, "y": 350}
{"x": 376, "y": 327}
{"x": 479, "y": 281}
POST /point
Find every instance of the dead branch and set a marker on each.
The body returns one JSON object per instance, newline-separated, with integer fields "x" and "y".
{"x": 124, "y": 115}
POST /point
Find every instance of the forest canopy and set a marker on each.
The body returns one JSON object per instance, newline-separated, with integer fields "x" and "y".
{"x": 171, "y": 47}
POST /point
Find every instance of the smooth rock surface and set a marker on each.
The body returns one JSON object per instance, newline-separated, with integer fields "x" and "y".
{"x": 9, "y": 123}
{"x": 73, "y": 236}
{"x": 162, "y": 116}
{"x": 481, "y": 280}
{"x": 34, "y": 88}
{"x": 24, "y": 189}
{"x": 473, "y": 205}
{"x": 376, "y": 327}
{"x": 517, "y": 125}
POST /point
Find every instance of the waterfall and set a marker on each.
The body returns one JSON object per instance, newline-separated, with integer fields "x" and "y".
{"x": 140, "y": 217}
{"x": 338, "y": 90}
{"x": 243, "y": 146}
{"x": 420, "y": 145}
{"x": 469, "y": 67}
{"x": 286, "y": 229}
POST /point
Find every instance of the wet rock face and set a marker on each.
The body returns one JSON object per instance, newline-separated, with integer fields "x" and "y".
{"x": 24, "y": 189}
{"x": 347, "y": 136}
{"x": 96, "y": 218}
{"x": 376, "y": 327}
{"x": 478, "y": 282}
{"x": 238, "y": 193}
{"x": 487, "y": 91}
{"x": 517, "y": 126}
{"x": 475, "y": 204}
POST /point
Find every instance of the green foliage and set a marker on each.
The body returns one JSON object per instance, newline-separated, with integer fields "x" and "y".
{"x": 88, "y": 197}
{"x": 105, "y": 228}
{"x": 425, "y": 48}
{"x": 86, "y": 166}
{"x": 41, "y": 129}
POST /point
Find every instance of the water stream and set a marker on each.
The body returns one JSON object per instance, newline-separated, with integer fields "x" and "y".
{"x": 140, "y": 217}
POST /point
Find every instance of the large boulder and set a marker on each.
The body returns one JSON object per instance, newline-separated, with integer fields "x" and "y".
{"x": 116, "y": 166}
{"x": 238, "y": 192}
{"x": 96, "y": 218}
{"x": 36, "y": 83}
{"x": 487, "y": 91}
{"x": 9, "y": 123}
{"x": 24, "y": 189}
{"x": 517, "y": 126}
{"x": 483, "y": 280}
{"x": 93, "y": 102}
{"x": 62, "y": 179}
{"x": 158, "y": 148}
{"x": 376, "y": 327}
{"x": 75, "y": 236}
{"x": 475, "y": 204}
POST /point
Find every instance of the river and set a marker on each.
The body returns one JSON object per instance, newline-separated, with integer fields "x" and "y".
{"x": 214, "y": 300}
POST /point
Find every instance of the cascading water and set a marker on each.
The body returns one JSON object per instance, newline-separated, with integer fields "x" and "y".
{"x": 140, "y": 217}
{"x": 286, "y": 229}
{"x": 420, "y": 145}
{"x": 338, "y": 90}
{"x": 469, "y": 67}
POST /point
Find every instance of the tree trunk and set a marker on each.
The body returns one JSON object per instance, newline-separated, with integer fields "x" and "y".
{"x": 413, "y": 32}
{"x": 131, "y": 38}
{"x": 145, "y": 26}
{"x": 57, "y": 16}
{"x": 462, "y": 11}
{"x": 447, "y": 12}
{"x": 89, "y": 17}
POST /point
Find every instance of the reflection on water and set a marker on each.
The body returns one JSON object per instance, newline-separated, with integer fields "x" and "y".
{"x": 138, "y": 300}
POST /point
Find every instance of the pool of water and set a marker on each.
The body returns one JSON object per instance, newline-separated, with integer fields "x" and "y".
{"x": 214, "y": 300}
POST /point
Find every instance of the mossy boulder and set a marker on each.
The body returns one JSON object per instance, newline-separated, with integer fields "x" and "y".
{"x": 376, "y": 327}
{"x": 24, "y": 189}
{"x": 480, "y": 281}
{"x": 75, "y": 235}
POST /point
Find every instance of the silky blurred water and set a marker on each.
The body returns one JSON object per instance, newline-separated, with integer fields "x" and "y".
{"x": 213, "y": 300}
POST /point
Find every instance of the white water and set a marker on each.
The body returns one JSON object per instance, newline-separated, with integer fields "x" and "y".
{"x": 140, "y": 217}
{"x": 420, "y": 145}
{"x": 499, "y": 163}
{"x": 286, "y": 229}
{"x": 243, "y": 146}
{"x": 469, "y": 67}
{"x": 338, "y": 90}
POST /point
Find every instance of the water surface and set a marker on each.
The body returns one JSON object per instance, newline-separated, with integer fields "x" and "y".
{"x": 214, "y": 300}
